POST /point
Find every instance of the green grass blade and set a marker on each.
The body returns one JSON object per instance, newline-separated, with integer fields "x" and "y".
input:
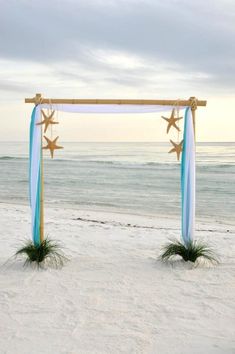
{"x": 190, "y": 252}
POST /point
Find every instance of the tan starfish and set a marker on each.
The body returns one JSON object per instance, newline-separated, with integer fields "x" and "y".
{"x": 51, "y": 145}
{"x": 47, "y": 120}
{"x": 177, "y": 148}
{"x": 172, "y": 120}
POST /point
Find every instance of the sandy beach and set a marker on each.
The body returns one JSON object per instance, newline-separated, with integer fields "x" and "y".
{"x": 117, "y": 129}
{"x": 114, "y": 295}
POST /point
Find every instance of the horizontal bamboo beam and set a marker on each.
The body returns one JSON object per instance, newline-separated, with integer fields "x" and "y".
{"x": 38, "y": 99}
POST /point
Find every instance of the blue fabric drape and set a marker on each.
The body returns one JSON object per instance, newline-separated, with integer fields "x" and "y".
{"x": 188, "y": 179}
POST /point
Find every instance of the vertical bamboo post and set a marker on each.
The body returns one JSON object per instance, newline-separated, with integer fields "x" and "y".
{"x": 38, "y": 98}
{"x": 42, "y": 196}
{"x": 194, "y": 121}
{"x": 193, "y": 101}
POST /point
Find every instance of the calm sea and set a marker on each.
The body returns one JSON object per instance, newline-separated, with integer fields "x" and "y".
{"x": 140, "y": 178}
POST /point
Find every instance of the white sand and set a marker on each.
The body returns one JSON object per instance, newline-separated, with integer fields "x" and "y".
{"x": 114, "y": 296}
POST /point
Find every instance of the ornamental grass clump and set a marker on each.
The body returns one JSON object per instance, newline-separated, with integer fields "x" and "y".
{"x": 48, "y": 252}
{"x": 192, "y": 251}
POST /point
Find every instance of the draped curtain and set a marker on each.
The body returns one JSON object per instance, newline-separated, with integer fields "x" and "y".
{"x": 187, "y": 162}
{"x": 188, "y": 179}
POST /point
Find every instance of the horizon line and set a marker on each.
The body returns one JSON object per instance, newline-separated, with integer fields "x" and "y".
{"x": 116, "y": 142}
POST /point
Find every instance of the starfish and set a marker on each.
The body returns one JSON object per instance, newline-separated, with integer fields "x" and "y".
{"x": 177, "y": 148}
{"x": 47, "y": 120}
{"x": 171, "y": 121}
{"x": 51, "y": 145}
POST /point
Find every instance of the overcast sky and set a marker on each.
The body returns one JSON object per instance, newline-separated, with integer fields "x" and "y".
{"x": 120, "y": 49}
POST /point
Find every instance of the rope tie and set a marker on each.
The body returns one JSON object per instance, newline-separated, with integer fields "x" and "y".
{"x": 193, "y": 103}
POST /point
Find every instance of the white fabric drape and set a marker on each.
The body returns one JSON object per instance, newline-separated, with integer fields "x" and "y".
{"x": 105, "y": 108}
{"x": 34, "y": 173}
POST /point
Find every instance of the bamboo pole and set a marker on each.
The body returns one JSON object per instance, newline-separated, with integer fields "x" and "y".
{"x": 42, "y": 195}
{"x": 38, "y": 99}
{"x": 193, "y": 105}
{"x": 194, "y": 121}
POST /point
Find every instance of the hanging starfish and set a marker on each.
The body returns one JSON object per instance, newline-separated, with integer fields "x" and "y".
{"x": 172, "y": 120}
{"x": 47, "y": 120}
{"x": 177, "y": 148}
{"x": 51, "y": 145}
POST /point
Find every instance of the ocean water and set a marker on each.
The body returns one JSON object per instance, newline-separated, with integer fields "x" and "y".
{"x": 139, "y": 178}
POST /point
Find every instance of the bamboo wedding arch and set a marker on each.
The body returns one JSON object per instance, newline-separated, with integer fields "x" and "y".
{"x": 192, "y": 103}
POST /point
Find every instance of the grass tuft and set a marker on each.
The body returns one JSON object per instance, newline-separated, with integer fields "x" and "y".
{"x": 48, "y": 252}
{"x": 190, "y": 252}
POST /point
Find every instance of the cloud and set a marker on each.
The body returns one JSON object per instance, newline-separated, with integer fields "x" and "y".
{"x": 123, "y": 42}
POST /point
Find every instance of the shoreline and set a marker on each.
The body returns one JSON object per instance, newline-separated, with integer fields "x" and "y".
{"x": 100, "y": 212}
